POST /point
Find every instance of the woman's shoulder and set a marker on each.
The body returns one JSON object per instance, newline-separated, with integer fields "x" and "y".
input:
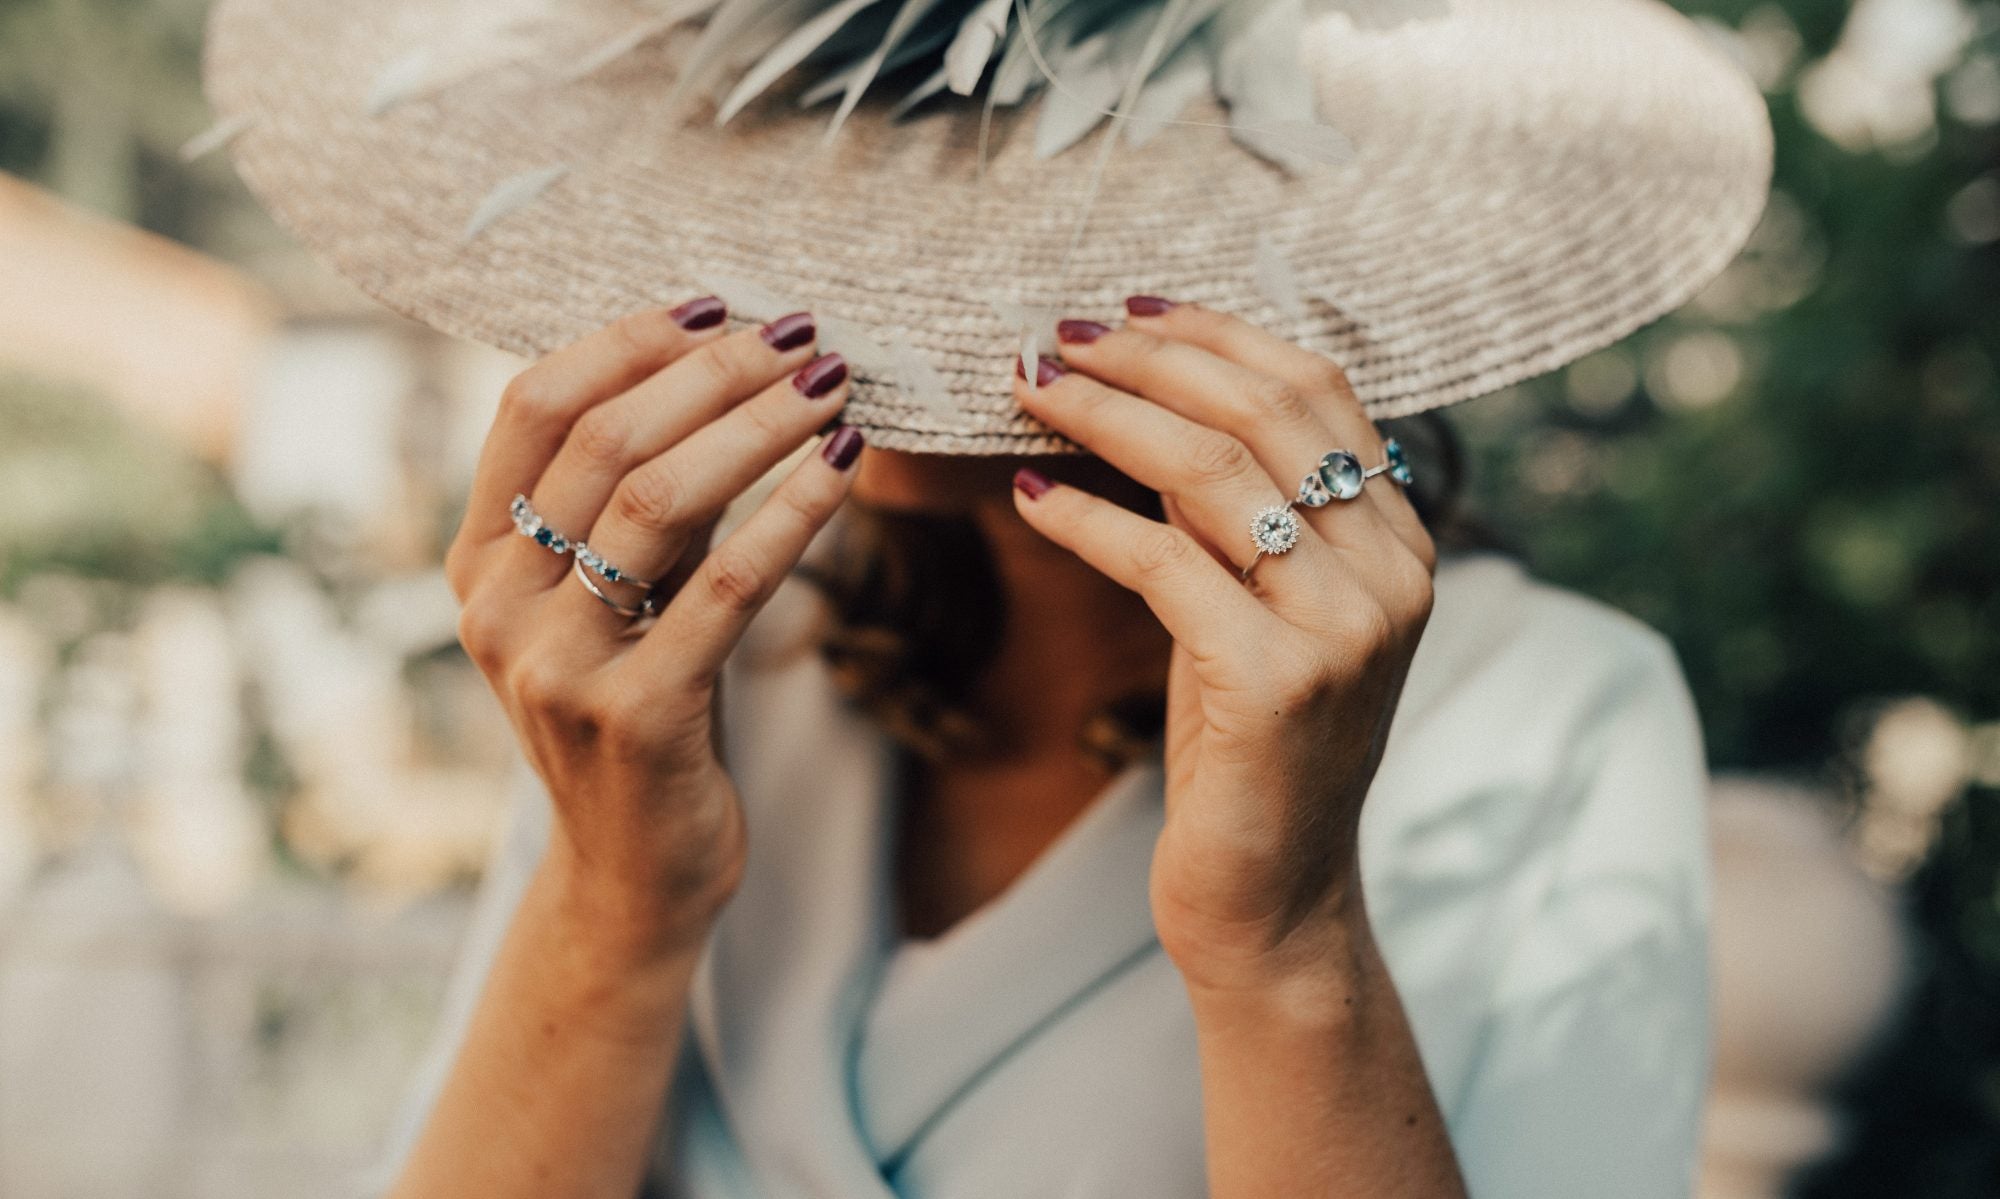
{"x": 1497, "y": 633}
{"x": 1539, "y": 722}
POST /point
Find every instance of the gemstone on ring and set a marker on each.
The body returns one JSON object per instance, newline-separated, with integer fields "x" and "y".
{"x": 1341, "y": 474}
{"x": 595, "y": 562}
{"x": 1313, "y": 492}
{"x": 1399, "y": 466}
{"x": 530, "y": 525}
{"x": 1275, "y": 529}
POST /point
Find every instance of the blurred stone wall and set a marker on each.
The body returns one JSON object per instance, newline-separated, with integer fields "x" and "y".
{"x": 254, "y": 1054}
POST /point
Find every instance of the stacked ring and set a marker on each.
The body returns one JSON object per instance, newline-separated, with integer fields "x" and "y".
{"x": 530, "y": 524}
{"x": 645, "y": 607}
{"x": 1340, "y": 475}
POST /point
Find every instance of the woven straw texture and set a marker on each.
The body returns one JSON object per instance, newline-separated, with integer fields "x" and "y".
{"x": 1534, "y": 179}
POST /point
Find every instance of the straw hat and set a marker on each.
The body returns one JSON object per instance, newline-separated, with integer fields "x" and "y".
{"x": 1528, "y": 181}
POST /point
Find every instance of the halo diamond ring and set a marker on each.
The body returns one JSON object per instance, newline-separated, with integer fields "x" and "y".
{"x": 1275, "y": 530}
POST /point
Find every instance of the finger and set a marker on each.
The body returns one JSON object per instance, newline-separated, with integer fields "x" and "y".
{"x": 1200, "y": 603}
{"x": 657, "y": 510}
{"x": 1311, "y": 373}
{"x": 707, "y": 617}
{"x": 611, "y": 440}
{"x": 1281, "y": 424}
{"x": 1214, "y": 480}
{"x": 541, "y": 403}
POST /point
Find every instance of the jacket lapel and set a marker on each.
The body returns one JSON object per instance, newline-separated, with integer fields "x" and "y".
{"x": 1074, "y": 917}
{"x": 779, "y": 991}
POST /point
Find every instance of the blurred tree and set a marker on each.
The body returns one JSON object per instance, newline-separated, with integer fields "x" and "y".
{"x": 96, "y": 97}
{"x": 1797, "y": 478}
{"x": 94, "y": 495}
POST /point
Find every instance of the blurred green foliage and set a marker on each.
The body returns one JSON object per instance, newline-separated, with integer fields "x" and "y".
{"x": 1829, "y": 528}
{"x": 1822, "y": 534}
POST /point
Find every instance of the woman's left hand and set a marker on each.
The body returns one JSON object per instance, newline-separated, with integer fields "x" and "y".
{"x": 1282, "y": 688}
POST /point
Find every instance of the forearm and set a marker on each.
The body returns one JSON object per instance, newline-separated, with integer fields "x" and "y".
{"x": 1312, "y": 1086}
{"x": 558, "y": 1088}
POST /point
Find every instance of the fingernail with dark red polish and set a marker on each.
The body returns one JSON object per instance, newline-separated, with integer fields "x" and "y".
{"x": 1080, "y": 332}
{"x": 1032, "y": 483}
{"x": 789, "y": 332}
{"x": 820, "y": 376}
{"x": 704, "y": 313}
{"x": 1146, "y": 305}
{"x": 1047, "y": 370}
{"x": 842, "y": 448}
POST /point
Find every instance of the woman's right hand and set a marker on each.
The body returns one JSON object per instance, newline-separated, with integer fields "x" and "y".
{"x": 635, "y": 438}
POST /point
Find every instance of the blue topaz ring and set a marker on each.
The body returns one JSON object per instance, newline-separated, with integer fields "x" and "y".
{"x": 530, "y": 524}
{"x": 1275, "y": 530}
{"x": 1340, "y": 475}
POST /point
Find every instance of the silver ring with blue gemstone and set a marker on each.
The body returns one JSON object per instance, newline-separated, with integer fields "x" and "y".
{"x": 530, "y": 524}
{"x": 645, "y": 607}
{"x": 604, "y": 570}
{"x": 1340, "y": 476}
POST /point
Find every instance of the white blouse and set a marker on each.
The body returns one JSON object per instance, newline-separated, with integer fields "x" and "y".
{"x": 1534, "y": 857}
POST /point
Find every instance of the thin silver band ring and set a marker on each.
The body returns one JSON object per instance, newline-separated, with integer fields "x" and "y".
{"x": 645, "y": 607}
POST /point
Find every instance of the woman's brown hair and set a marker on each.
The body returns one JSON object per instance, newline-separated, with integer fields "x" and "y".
{"x": 916, "y": 613}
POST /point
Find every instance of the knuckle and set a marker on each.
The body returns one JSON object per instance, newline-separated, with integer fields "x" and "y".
{"x": 652, "y": 498}
{"x": 805, "y": 507}
{"x": 1424, "y": 546}
{"x": 479, "y": 634}
{"x": 1213, "y": 457}
{"x": 1277, "y": 398}
{"x": 1303, "y": 683}
{"x": 458, "y": 568}
{"x": 719, "y": 367}
{"x": 641, "y": 336}
{"x": 767, "y": 421}
{"x": 1415, "y": 592}
{"x": 1138, "y": 343}
{"x": 540, "y": 685}
{"x": 1088, "y": 401}
{"x": 732, "y": 580}
{"x": 1368, "y": 631}
{"x": 1201, "y": 316}
{"x": 627, "y": 718}
{"x": 1333, "y": 376}
{"x": 528, "y": 399}
{"x": 1162, "y": 553}
{"x": 602, "y": 436}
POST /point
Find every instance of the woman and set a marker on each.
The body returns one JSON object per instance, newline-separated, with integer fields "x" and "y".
{"x": 1546, "y": 889}
{"x": 1405, "y": 892}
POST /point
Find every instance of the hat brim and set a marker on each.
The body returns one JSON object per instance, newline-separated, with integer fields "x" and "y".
{"x": 1533, "y": 180}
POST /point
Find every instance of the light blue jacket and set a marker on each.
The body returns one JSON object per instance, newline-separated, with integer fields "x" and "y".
{"x": 1534, "y": 856}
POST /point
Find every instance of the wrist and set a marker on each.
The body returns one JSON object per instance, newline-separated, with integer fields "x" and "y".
{"x": 616, "y": 928}
{"x": 1321, "y": 974}
{"x": 589, "y": 980}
